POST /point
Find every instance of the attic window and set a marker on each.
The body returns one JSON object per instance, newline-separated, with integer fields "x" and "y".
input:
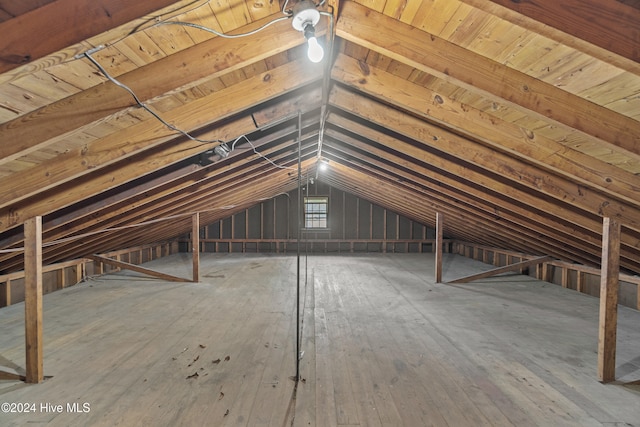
{"x": 316, "y": 209}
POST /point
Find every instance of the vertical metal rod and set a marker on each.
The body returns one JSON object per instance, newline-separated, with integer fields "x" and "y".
{"x": 300, "y": 199}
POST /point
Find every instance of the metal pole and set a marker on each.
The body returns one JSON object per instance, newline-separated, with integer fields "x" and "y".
{"x": 298, "y": 246}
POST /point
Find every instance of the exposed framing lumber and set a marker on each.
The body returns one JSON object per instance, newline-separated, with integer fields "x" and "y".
{"x": 140, "y": 192}
{"x": 611, "y": 25}
{"x": 227, "y": 102}
{"x": 495, "y": 159}
{"x": 387, "y": 192}
{"x": 62, "y": 23}
{"x": 136, "y": 268}
{"x": 453, "y": 63}
{"x": 195, "y": 246}
{"x": 431, "y": 186}
{"x": 5, "y": 293}
{"x": 36, "y": 129}
{"x": 508, "y": 12}
{"x": 505, "y": 269}
{"x": 150, "y": 133}
{"x": 194, "y": 189}
{"x": 439, "y": 237}
{"x": 491, "y": 160}
{"x": 33, "y": 300}
{"x": 507, "y": 137}
{"x": 609, "y": 285}
{"x": 399, "y": 188}
{"x": 10, "y": 376}
{"x": 196, "y": 193}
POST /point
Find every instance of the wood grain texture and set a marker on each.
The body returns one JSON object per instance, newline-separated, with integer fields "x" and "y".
{"x": 388, "y": 347}
{"x": 474, "y": 72}
{"x": 609, "y": 286}
{"x": 518, "y": 266}
{"x": 209, "y": 60}
{"x": 611, "y": 25}
{"x": 34, "y": 343}
{"x": 62, "y": 23}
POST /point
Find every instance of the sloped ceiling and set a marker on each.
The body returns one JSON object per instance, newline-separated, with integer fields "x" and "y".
{"x": 520, "y": 121}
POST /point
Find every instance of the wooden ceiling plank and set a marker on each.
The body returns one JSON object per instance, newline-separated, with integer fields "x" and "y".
{"x": 395, "y": 196}
{"x": 492, "y": 202}
{"x": 507, "y": 238}
{"x": 201, "y": 186}
{"x": 149, "y": 133}
{"x": 161, "y": 201}
{"x": 476, "y": 73}
{"x": 207, "y": 60}
{"x": 62, "y": 23}
{"x": 517, "y": 141}
{"x": 175, "y": 201}
{"x": 508, "y": 13}
{"x": 98, "y": 212}
{"x": 97, "y": 183}
{"x": 609, "y": 25}
{"x": 538, "y": 182}
{"x": 228, "y": 196}
{"x": 587, "y": 230}
{"x": 531, "y": 227}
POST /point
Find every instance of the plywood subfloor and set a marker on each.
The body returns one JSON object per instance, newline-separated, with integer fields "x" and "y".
{"x": 383, "y": 346}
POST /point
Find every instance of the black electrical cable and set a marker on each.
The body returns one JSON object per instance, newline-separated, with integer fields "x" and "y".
{"x": 298, "y": 245}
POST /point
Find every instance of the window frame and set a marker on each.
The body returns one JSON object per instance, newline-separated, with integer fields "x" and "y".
{"x": 321, "y": 215}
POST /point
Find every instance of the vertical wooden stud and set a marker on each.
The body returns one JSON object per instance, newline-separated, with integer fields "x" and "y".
{"x": 357, "y": 218}
{"x": 439, "y": 235}
{"x": 546, "y": 268}
{"x": 61, "y": 279}
{"x": 384, "y": 243}
{"x": 195, "y": 245}
{"x": 609, "y": 300}
{"x": 5, "y": 293}
{"x": 33, "y": 299}
{"x": 580, "y": 281}
{"x": 80, "y": 272}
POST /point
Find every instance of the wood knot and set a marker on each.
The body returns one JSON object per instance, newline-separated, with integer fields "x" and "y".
{"x": 439, "y": 99}
{"x": 364, "y": 67}
{"x": 266, "y": 77}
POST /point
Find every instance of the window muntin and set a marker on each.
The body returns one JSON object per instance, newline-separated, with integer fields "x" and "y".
{"x": 316, "y": 211}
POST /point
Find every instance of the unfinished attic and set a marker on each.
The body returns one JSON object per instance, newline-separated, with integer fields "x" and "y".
{"x": 330, "y": 213}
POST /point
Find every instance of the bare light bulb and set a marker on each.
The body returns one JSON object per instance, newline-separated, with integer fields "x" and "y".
{"x": 315, "y": 52}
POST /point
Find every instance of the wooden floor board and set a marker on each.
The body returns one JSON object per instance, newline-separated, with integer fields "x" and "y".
{"x": 383, "y": 346}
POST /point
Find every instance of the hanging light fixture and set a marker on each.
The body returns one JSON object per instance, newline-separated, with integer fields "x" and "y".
{"x": 222, "y": 150}
{"x": 305, "y": 18}
{"x": 323, "y": 165}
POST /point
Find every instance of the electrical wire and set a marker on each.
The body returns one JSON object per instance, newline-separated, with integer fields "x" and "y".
{"x": 284, "y": 8}
{"x": 167, "y": 124}
{"x": 258, "y": 153}
{"x": 141, "y": 27}
{"x": 218, "y": 33}
{"x": 143, "y": 105}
